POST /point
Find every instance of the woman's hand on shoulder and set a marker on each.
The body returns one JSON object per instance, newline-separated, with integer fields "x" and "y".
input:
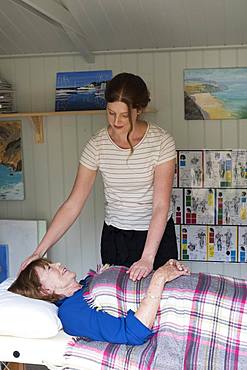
{"x": 172, "y": 269}
{"x": 140, "y": 269}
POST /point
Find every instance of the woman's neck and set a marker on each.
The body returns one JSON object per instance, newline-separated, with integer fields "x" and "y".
{"x": 136, "y": 135}
{"x": 70, "y": 290}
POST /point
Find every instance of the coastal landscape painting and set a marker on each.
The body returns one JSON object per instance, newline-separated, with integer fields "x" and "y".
{"x": 11, "y": 171}
{"x": 81, "y": 90}
{"x": 215, "y": 93}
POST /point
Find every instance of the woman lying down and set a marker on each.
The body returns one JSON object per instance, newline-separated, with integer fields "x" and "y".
{"x": 186, "y": 321}
{"x": 53, "y": 282}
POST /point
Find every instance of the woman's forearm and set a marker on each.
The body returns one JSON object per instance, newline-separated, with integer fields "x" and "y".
{"x": 148, "y": 308}
{"x": 155, "y": 232}
{"x": 61, "y": 222}
{"x": 163, "y": 179}
{"x": 69, "y": 210}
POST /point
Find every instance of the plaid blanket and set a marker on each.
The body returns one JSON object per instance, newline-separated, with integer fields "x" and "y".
{"x": 201, "y": 324}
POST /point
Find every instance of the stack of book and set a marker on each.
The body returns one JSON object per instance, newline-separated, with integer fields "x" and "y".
{"x": 7, "y": 97}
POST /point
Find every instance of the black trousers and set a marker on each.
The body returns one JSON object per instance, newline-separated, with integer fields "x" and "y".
{"x": 124, "y": 247}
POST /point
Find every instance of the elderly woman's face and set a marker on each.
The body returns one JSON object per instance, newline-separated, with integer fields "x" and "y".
{"x": 55, "y": 277}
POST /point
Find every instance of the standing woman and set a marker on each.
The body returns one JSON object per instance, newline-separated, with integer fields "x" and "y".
{"x": 137, "y": 161}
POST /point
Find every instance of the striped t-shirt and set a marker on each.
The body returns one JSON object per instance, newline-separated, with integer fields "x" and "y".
{"x": 128, "y": 179}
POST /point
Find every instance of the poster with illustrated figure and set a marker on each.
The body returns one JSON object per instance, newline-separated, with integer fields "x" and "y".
{"x": 225, "y": 169}
{"x": 177, "y": 230}
{"x": 231, "y": 207}
{"x": 190, "y": 168}
{"x": 199, "y": 206}
{"x": 177, "y": 205}
{"x": 193, "y": 243}
{"x": 222, "y": 243}
{"x": 242, "y": 244}
{"x": 239, "y": 168}
{"x": 175, "y": 178}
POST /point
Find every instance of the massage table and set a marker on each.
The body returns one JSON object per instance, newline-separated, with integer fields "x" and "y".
{"x": 201, "y": 324}
{"x": 48, "y": 351}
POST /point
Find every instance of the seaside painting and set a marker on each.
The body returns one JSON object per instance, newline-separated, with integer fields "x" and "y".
{"x": 81, "y": 90}
{"x": 215, "y": 93}
{"x": 11, "y": 172}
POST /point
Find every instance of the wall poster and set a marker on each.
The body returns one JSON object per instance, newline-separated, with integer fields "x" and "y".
{"x": 193, "y": 243}
{"x": 225, "y": 168}
{"x": 242, "y": 243}
{"x": 209, "y": 205}
{"x": 177, "y": 205}
{"x": 199, "y": 206}
{"x": 231, "y": 206}
{"x": 190, "y": 169}
{"x": 222, "y": 243}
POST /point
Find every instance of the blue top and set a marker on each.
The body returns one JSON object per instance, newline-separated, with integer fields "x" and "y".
{"x": 79, "y": 319}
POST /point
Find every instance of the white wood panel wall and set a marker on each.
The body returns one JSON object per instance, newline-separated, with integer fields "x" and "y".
{"x": 50, "y": 168}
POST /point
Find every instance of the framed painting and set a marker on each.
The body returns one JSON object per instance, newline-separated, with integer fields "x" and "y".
{"x": 81, "y": 90}
{"x": 215, "y": 93}
{"x": 11, "y": 171}
{"x": 4, "y": 262}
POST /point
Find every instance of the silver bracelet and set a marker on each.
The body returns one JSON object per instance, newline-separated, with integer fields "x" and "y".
{"x": 149, "y": 295}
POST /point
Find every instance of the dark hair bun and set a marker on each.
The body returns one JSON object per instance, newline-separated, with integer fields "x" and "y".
{"x": 128, "y": 88}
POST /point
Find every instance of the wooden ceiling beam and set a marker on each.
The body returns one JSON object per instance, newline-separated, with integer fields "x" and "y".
{"x": 52, "y": 11}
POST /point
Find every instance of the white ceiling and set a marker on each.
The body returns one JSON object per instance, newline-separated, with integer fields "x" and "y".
{"x": 88, "y": 26}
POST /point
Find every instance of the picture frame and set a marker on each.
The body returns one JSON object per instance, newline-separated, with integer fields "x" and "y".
{"x": 83, "y": 90}
{"x": 11, "y": 162}
{"x": 215, "y": 93}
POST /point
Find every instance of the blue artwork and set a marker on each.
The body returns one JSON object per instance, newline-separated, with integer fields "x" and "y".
{"x": 4, "y": 262}
{"x": 81, "y": 90}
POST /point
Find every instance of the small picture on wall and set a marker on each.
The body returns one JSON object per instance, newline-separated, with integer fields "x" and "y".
{"x": 190, "y": 168}
{"x": 242, "y": 242}
{"x": 215, "y": 93}
{"x": 222, "y": 243}
{"x": 199, "y": 206}
{"x": 81, "y": 90}
{"x": 178, "y": 237}
{"x": 175, "y": 178}
{"x": 193, "y": 242}
{"x": 11, "y": 171}
{"x": 177, "y": 205}
{"x": 4, "y": 262}
{"x": 231, "y": 206}
{"x": 218, "y": 168}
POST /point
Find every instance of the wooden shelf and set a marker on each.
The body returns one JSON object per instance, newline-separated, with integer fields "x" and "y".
{"x": 37, "y": 118}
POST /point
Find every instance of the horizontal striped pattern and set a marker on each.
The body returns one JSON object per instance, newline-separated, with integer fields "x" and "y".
{"x": 201, "y": 324}
{"x": 128, "y": 179}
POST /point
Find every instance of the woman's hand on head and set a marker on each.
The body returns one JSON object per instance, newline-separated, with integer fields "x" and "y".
{"x": 172, "y": 269}
{"x": 28, "y": 260}
{"x": 140, "y": 269}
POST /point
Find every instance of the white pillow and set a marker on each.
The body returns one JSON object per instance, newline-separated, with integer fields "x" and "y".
{"x": 26, "y": 317}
